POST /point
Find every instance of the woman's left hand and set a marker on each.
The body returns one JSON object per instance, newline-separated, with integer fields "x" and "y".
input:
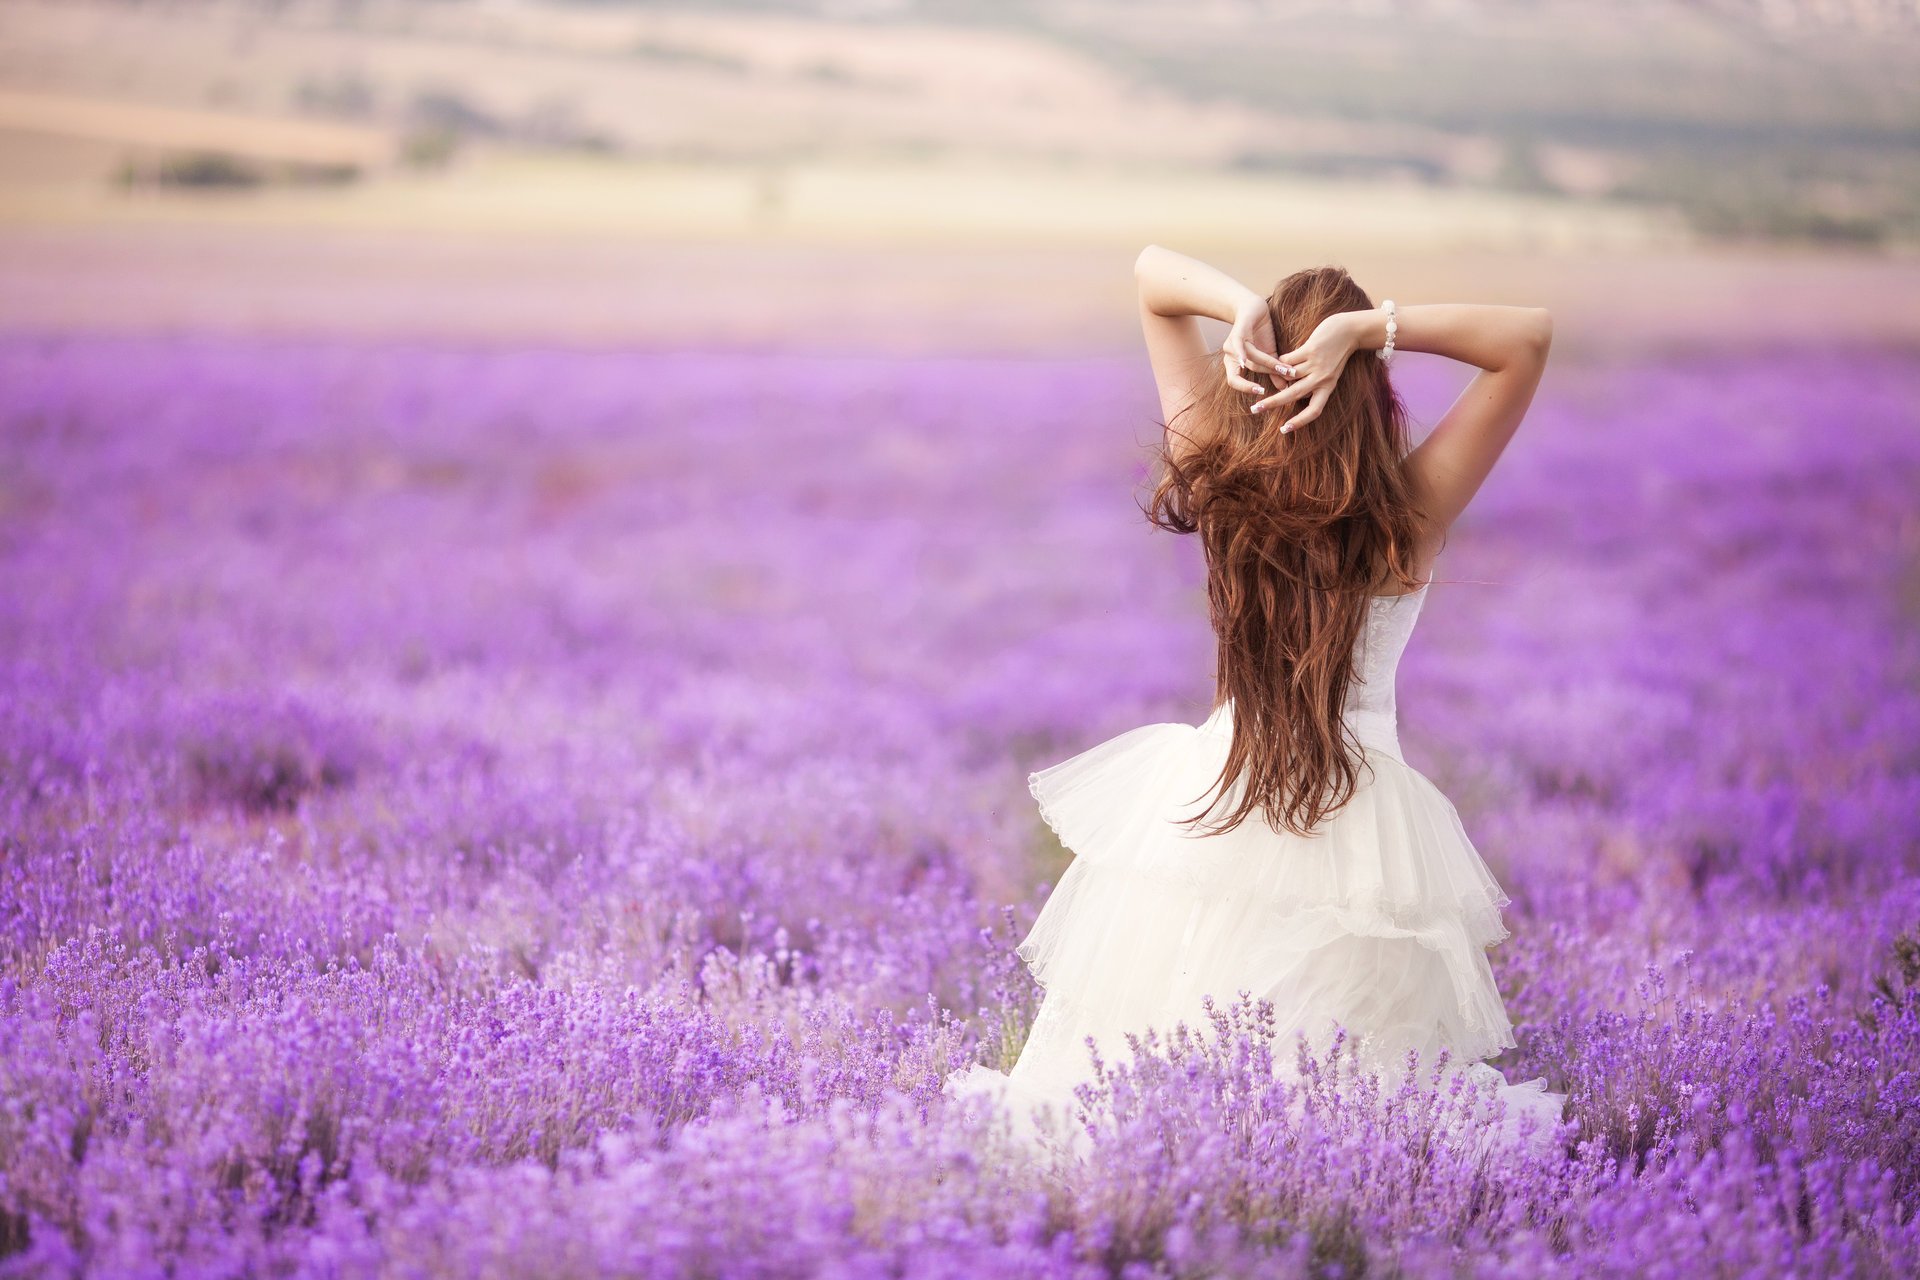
{"x": 1250, "y": 343}
{"x": 1316, "y": 365}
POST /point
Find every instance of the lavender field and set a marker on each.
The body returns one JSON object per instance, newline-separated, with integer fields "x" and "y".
{"x": 526, "y": 812}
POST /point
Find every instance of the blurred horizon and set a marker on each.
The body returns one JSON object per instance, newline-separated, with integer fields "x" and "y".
{"x": 939, "y": 176}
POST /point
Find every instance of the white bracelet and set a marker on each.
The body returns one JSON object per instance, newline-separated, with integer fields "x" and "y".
{"x": 1393, "y": 325}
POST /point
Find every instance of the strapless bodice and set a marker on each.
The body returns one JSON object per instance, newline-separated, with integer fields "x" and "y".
{"x": 1370, "y": 709}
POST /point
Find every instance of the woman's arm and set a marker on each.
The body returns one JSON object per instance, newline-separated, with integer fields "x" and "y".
{"x": 1489, "y": 336}
{"x": 1509, "y": 345}
{"x": 1175, "y": 288}
{"x": 1174, "y": 285}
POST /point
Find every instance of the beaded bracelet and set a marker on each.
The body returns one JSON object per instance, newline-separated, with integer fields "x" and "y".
{"x": 1386, "y": 353}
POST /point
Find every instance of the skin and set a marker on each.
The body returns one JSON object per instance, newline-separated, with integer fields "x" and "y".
{"x": 1507, "y": 345}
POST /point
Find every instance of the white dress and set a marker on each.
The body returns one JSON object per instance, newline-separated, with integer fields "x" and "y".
{"x": 1378, "y": 923}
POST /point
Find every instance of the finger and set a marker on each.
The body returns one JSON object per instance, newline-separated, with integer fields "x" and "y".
{"x": 1268, "y": 360}
{"x": 1307, "y": 414}
{"x": 1274, "y": 401}
{"x": 1285, "y": 395}
{"x": 1295, "y": 391}
{"x": 1235, "y": 378}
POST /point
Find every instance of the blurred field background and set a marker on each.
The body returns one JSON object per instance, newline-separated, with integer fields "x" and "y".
{"x": 539, "y": 544}
{"x": 951, "y": 176}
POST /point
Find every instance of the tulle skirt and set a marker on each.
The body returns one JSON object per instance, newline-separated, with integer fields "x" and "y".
{"x": 1378, "y": 924}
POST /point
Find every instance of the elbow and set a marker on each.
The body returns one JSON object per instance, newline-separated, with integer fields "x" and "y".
{"x": 1142, "y": 259}
{"x": 1541, "y": 336}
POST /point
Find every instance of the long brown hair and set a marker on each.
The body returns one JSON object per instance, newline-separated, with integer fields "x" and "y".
{"x": 1297, "y": 529}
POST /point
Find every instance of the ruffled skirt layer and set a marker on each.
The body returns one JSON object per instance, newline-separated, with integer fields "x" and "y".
{"x": 1378, "y": 923}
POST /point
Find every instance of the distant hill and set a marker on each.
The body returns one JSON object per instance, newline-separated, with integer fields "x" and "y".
{"x": 1776, "y": 121}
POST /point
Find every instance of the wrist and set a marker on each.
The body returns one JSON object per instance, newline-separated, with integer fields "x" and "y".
{"x": 1368, "y": 328}
{"x": 1242, "y": 302}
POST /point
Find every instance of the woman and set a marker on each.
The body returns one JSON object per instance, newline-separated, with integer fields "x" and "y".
{"x": 1319, "y": 870}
